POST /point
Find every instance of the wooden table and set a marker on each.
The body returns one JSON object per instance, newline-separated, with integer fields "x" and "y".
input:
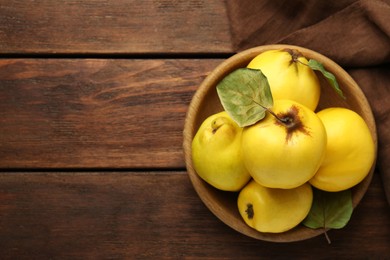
{"x": 93, "y": 96}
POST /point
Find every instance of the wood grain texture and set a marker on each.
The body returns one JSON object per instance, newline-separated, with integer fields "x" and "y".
{"x": 101, "y": 115}
{"x": 95, "y": 113}
{"x": 153, "y": 215}
{"x": 113, "y": 27}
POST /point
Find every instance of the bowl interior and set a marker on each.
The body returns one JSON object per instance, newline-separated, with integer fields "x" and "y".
{"x": 205, "y": 102}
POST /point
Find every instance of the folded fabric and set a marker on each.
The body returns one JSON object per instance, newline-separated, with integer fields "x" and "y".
{"x": 355, "y": 34}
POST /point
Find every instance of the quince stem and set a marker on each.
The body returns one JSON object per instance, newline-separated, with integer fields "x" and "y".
{"x": 316, "y": 65}
{"x": 284, "y": 120}
{"x": 217, "y": 123}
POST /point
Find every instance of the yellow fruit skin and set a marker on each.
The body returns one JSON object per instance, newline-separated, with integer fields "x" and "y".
{"x": 275, "y": 160}
{"x": 216, "y": 153}
{"x": 274, "y": 210}
{"x": 288, "y": 79}
{"x": 350, "y": 150}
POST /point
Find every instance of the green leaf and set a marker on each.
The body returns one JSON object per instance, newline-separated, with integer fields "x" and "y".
{"x": 329, "y": 209}
{"x": 316, "y": 65}
{"x": 245, "y": 95}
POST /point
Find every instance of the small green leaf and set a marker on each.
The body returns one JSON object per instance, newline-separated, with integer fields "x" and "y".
{"x": 316, "y": 65}
{"x": 245, "y": 95}
{"x": 329, "y": 209}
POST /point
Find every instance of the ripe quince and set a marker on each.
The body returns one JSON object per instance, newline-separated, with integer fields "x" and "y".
{"x": 285, "y": 149}
{"x": 350, "y": 151}
{"x": 216, "y": 153}
{"x": 274, "y": 210}
{"x": 289, "y": 76}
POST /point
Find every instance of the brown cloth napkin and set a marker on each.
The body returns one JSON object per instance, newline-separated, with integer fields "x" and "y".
{"x": 355, "y": 34}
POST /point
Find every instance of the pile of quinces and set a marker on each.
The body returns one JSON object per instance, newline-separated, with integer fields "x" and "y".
{"x": 275, "y": 163}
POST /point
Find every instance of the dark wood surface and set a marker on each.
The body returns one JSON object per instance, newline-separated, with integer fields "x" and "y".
{"x": 93, "y": 96}
{"x": 113, "y": 27}
{"x": 96, "y": 113}
{"x": 94, "y": 215}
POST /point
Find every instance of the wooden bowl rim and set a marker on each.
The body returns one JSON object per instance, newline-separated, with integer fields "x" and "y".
{"x": 241, "y": 59}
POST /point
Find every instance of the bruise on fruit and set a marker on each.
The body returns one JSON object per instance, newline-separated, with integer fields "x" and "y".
{"x": 249, "y": 211}
{"x": 291, "y": 122}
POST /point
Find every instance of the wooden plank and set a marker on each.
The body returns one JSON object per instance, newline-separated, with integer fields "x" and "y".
{"x": 96, "y": 113}
{"x": 153, "y": 215}
{"x": 114, "y": 27}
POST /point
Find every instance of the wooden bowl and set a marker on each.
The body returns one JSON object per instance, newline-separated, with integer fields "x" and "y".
{"x": 205, "y": 102}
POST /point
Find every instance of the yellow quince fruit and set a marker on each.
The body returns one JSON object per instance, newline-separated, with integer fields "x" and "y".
{"x": 216, "y": 153}
{"x": 285, "y": 149}
{"x": 274, "y": 210}
{"x": 350, "y": 151}
{"x": 289, "y": 76}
